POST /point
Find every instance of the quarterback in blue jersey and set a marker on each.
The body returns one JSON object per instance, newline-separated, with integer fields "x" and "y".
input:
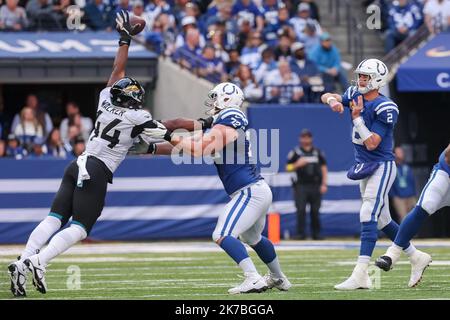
{"x": 373, "y": 117}
{"x": 244, "y": 216}
{"x": 434, "y": 196}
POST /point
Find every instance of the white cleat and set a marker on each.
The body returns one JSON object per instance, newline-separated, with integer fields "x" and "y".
{"x": 419, "y": 262}
{"x": 282, "y": 284}
{"x": 358, "y": 280}
{"x": 18, "y": 276}
{"x": 38, "y": 271}
{"x": 253, "y": 283}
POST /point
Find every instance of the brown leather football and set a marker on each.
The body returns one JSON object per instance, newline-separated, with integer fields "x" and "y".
{"x": 137, "y": 23}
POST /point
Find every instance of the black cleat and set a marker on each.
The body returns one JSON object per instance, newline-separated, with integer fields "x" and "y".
{"x": 384, "y": 263}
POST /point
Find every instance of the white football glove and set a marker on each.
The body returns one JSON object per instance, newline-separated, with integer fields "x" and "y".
{"x": 158, "y": 133}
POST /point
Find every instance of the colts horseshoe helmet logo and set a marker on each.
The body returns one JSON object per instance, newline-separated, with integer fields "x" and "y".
{"x": 228, "y": 91}
{"x": 383, "y": 67}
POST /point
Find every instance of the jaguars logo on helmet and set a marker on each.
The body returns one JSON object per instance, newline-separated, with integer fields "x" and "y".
{"x": 127, "y": 93}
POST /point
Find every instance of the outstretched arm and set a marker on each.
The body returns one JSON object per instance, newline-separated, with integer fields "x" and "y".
{"x": 206, "y": 144}
{"x": 334, "y": 100}
{"x": 120, "y": 62}
{"x": 188, "y": 124}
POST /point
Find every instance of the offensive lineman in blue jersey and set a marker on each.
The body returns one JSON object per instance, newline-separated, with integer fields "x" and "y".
{"x": 374, "y": 117}
{"x": 244, "y": 216}
{"x": 435, "y": 195}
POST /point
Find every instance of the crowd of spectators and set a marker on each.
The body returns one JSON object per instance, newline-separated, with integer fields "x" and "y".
{"x": 33, "y": 135}
{"x": 213, "y": 39}
{"x": 402, "y": 18}
{"x": 276, "y": 51}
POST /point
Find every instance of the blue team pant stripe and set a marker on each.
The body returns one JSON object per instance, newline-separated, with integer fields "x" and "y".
{"x": 241, "y": 211}
{"x": 380, "y": 188}
{"x": 426, "y": 187}
{"x": 387, "y": 185}
{"x": 231, "y": 213}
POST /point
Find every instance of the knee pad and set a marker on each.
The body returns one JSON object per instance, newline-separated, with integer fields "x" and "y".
{"x": 369, "y": 231}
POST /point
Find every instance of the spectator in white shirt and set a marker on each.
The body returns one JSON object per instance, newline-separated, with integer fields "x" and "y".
{"x": 74, "y": 118}
{"x": 13, "y": 17}
{"x": 28, "y": 129}
{"x": 42, "y": 117}
{"x": 283, "y": 86}
{"x": 303, "y": 17}
{"x": 437, "y": 15}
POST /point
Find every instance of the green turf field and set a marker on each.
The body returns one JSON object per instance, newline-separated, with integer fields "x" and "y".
{"x": 208, "y": 275}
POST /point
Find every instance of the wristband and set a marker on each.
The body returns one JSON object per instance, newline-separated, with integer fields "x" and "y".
{"x": 361, "y": 128}
{"x": 330, "y": 98}
{"x": 152, "y": 147}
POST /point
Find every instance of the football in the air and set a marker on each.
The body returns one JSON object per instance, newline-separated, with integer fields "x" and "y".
{"x": 137, "y": 23}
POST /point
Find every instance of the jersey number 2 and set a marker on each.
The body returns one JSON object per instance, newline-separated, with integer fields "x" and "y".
{"x": 114, "y": 139}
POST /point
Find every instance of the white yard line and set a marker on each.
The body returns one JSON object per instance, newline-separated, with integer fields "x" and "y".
{"x": 209, "y": 246}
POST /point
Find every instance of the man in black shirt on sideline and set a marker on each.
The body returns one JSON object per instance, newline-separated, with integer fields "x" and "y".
{"x": 310, "y": 165}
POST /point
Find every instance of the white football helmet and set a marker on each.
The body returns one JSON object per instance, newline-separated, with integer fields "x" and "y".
{"x": 224, "y": 95}
{"x": 377, "y": 71}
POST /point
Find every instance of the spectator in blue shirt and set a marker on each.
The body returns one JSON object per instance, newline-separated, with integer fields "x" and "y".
{"x": 271, "y": 29}
{"x": 210, "y": 67}
{"x": 100, "y": 16}
{"x": 405, "y": 18}
{"x": 233, "y": 63}
{"x": 246, "y": 9}
{"x": 403, "y": 191}
{"x": 328, "y": 60}
{"x": 39, "y": 150}
{"x": 13, "y": 149}
{"x": 124, "y": 5}
{"x": 188, "y": 55}
{"x": 270, "y": 11}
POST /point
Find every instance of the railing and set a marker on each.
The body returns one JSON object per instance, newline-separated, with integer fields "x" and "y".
{"x": 195, "y": 63}
{"x": 405, "y": 49}
{"x": 355, "y": 39}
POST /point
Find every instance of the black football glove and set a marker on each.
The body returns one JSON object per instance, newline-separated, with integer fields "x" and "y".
{"x": 206, "y": 123}
{"x": 139, "y": 147}
{"x": 124, "y": 27}
{"x": 142, "y": 147}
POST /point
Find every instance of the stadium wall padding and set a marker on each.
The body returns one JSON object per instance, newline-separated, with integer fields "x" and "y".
{"x": 152, "y": 198}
